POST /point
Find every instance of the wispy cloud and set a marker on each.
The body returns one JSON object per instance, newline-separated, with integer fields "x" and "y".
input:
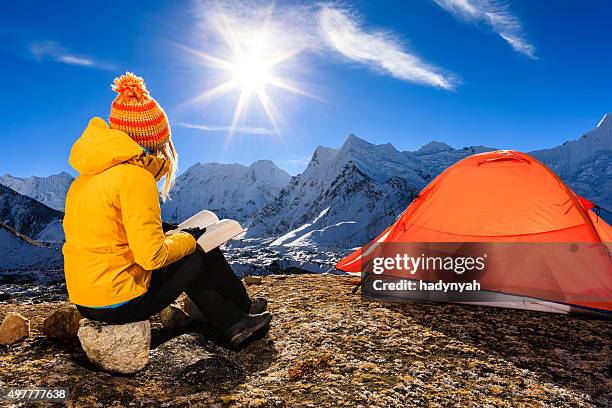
{"x": 226, "y": 129}
{"x": 327, "y": 29}
{"x": 497, "y": 15}
{"x": 50, "y": 49}
{"x": 378, "y": 49}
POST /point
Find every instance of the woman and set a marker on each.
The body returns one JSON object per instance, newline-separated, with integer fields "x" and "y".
{"x": 119, "y": 264}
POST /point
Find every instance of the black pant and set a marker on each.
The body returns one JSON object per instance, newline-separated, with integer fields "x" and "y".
{"x": 207, "y": 279}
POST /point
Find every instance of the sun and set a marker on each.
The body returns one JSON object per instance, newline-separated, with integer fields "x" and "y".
{"x": 254, "y": 56}
{"x": 250, "y": 73}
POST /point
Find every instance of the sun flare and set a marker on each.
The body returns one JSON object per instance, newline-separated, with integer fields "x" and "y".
{"x": 255, "y": 55}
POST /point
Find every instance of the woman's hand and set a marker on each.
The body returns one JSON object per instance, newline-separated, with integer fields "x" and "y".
{"x": 196, "y": 232}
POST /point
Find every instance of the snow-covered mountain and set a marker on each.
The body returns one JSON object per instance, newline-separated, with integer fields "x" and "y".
{"x": 347, "y": 196}
{"x": 18, "y": 252}
{"x": 230, "y": 190}
{"x": 435, "y": 157}
{"x": 585, "y": 165}
{"x": 339, "y": 193}
{"x": 50, "y": 190}
{"x": 30, "y": 217}
{"x": 343, "y": 198}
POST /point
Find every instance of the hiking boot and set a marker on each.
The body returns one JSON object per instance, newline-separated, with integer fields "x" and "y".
{"x": 246, "y": 327}
{"x": 258, "y": 305}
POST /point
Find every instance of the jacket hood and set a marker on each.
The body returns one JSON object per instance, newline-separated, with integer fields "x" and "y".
{"x": 100, "y": 148}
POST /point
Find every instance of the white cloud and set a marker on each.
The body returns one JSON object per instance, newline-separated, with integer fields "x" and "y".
{"x": 378, "y": 49}
{"x": 53, "y": 50}
{"x": 226, "y": 129}
{"x": 497, "y": 16}
{"x": 322, "y": 29}
{"x": 74, "y": 60}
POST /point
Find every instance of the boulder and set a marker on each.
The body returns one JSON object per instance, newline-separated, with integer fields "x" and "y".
{"x": 14, "y": 328}
{"x": 117, "y": 348}
{"x": 192, "y": 310}
{"x": 173, "y": 317}
{"x": 62, "y": 323}
{"x": 252, "y": 280}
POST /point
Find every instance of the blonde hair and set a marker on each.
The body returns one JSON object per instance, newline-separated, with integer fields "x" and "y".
{"x": 168, "y": 153}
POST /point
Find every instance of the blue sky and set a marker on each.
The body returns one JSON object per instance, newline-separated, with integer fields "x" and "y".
{"x": 519, "y": 74}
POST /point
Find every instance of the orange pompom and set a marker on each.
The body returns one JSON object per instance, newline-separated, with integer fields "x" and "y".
{"x": 130, "y": 86}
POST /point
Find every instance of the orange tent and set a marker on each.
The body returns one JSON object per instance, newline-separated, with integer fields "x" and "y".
{"x": 552, "y": 252}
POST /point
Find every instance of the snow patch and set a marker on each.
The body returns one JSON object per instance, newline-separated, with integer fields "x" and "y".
{"x": 291, "y": 235}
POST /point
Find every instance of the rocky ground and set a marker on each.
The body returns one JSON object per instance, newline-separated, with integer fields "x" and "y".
{"x": 246, "y": 257}
{"x": 328, "y": 348}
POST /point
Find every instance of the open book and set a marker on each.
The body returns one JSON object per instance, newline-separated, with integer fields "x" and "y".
{"x": 217, "y": 232}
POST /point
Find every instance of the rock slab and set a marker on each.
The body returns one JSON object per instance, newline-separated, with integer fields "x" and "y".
{"x": 122, "y": 349}
{"x": 14, "y": 328}
{"x": 173, "y": 317}
{"x": 192, "y": 310}
{"x": 62, "y": 323}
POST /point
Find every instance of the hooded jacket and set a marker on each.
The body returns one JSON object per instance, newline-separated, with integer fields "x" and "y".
{"x": 114, "y": 237}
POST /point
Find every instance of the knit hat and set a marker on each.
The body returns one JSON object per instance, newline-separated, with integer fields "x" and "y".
{"x": 136, "y": 113}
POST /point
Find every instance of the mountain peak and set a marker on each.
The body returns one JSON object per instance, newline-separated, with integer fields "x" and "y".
{"x": 606, "y": 121}
{"x": 434, "y": 146}
{"x": 324, "y": 150}
{"x": 355, "y": 146}
{"x": 353, "y": 140}
{"x": 263, "y": 164}
{"x": 267, "y": 168}
{"x": 65, "y": 174}
{"x": 322, "y": 154}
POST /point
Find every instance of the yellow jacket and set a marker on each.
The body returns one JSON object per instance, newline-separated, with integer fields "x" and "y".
{"x": 114, "y": 237}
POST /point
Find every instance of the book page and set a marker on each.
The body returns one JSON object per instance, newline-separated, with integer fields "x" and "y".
{"x": 219, "y": 233}
{"x": 201, "y": 220}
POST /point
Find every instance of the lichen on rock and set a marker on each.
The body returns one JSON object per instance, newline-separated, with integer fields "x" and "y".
{"x": 62, "y": 323}
{"x": 14, "y": 328}
{"x": 117, "y": 348}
